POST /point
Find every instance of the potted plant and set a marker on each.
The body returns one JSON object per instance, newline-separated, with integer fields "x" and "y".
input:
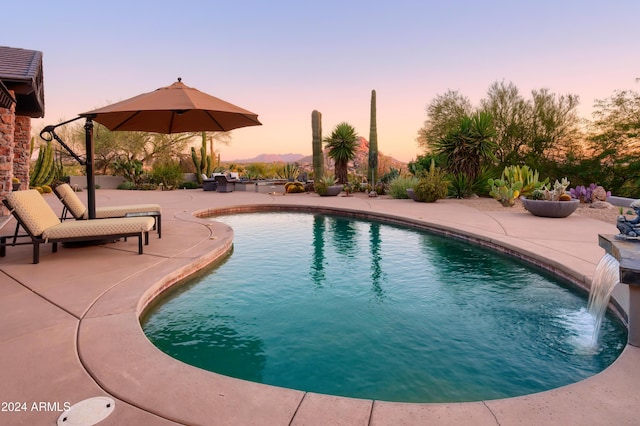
{"x": 327, "y": 187}
{"x": 554, "y": 202}
{"x": 15, "y": 183}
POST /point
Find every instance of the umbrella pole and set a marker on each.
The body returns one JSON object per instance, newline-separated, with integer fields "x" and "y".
{"x": 91, "y": 183}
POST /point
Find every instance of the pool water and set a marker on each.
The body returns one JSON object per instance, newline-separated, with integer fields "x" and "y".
{"x": 363, "y": 309}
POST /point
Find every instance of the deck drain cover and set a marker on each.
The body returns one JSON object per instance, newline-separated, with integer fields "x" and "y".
{"x": 87, "y": 412}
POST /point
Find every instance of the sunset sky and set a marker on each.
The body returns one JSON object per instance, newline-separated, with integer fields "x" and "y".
{"x": 283, "y": 59}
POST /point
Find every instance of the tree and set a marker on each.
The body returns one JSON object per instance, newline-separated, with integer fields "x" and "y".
{"x": 511, "y": 119}
{"x": 342, "y": 148}
{"x": 467, "y": 147}
{"x": 614, "y": 144}
{"x": 443, "y": 115}
{"x": 616, "y": 125}
{"x": 554, "y": 126}
{"x": 164, "y": 147}
{"x": 106, "y": 145}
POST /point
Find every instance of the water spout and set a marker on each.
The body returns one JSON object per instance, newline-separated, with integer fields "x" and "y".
{"x": 606, "y": 276}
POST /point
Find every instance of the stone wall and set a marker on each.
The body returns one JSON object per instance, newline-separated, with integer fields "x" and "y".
{"x": 7, "y": 132}
{"x": 21, "y": 150}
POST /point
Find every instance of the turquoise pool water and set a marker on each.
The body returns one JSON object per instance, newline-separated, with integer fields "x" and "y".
{"x": 356, "y": 308}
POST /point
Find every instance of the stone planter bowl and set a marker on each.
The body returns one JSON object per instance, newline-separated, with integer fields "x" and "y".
{"x": 545, "y": 208}
{"x": 333, "y": 190}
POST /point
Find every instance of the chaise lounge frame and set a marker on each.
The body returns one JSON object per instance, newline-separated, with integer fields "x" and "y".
{"x": 72, "y": 204}
{"x": 42, "y": 225}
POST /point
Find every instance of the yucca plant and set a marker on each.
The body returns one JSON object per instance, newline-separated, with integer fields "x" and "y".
{"x": 342, "y": 145}
{"x": 469, "y": 146}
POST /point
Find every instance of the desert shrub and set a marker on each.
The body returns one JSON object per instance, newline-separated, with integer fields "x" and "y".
{"x": 398, "y": 186}
{"x": 380, "y": 188}
{"x": 148, "y": 187}
{"x": 169, "y": 174}
{"x": 127, "y": 185}
{"x": 188, "y": 185}
{"x": 432, "y": 185}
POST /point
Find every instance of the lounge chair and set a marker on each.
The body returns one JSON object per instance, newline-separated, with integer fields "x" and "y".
{"x": 224, "y": 184}
{"x": 43, "y": 225}
{"x": 73, "y": 204}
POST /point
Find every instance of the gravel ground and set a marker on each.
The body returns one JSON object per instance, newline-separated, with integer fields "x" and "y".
{"x": 609, "y": 214}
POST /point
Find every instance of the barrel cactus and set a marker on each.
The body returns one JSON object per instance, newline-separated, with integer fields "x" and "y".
{"x": 294, "y": 187}
{"x": 538, "y": 194}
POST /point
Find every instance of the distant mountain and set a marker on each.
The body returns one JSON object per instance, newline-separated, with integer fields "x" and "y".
{"x": 360, "y": 161}
{"x": 271, "y": 158}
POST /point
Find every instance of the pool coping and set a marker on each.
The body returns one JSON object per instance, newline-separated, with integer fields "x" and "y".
{"x": 115, "y": 353}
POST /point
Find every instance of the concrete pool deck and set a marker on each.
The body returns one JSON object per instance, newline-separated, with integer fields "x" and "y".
{"x": 70, "y": 328}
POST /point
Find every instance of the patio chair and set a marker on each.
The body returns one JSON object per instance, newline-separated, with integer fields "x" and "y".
{"x": 73, "y": 204}
{"x": 224, "y": 184}
{"x": 43, "y": 226}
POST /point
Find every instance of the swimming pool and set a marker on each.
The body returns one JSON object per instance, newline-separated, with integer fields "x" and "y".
{"x": 363, "y": 309}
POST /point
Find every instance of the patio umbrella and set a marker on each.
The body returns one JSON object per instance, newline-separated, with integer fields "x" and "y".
{"x": 173, "y": 109}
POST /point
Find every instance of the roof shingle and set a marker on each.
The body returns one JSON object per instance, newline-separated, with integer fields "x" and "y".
{"x": 21, "y": 71}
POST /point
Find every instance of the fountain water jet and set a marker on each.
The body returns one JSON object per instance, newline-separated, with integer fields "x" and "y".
{"x": 606, "y": 277}
{"x": 627, "y": 253}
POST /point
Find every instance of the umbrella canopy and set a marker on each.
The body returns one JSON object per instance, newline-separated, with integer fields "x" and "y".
{"x": 173, "y": 109}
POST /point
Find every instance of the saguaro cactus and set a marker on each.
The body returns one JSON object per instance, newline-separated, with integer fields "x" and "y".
{"x": 203, "y": 164}
{"x": 43, "y": 170}
{"x": 373, "y": 143}
{"x": 318, "y": 158}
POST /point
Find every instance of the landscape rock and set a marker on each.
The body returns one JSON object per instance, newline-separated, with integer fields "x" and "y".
{"x": 599, "y": 194}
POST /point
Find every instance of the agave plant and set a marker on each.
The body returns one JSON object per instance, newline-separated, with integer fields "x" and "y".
{"x": 289, "y": 171}
{"x": 322, "y": 186}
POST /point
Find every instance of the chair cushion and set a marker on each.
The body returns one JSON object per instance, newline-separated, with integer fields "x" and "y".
{"x": 33, "y": 210}
{"x": 102, "y": 227}
{"x": 69, "y": 198}
{"x": 122, "y": 211}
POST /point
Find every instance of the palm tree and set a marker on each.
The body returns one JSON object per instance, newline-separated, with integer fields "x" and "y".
{"x": 342, "y": 145}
